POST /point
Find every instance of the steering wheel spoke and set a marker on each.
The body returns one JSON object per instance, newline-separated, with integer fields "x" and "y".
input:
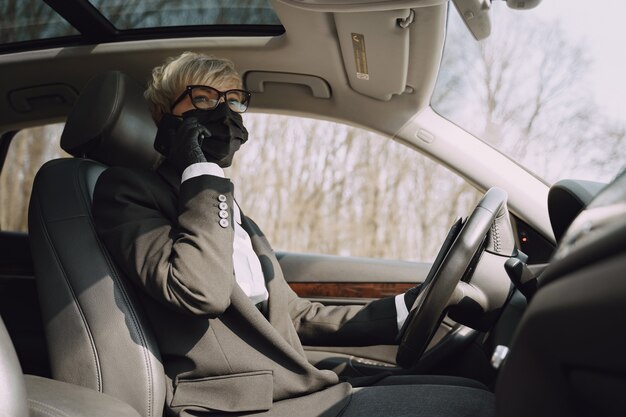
{"x": 464, "y": 291}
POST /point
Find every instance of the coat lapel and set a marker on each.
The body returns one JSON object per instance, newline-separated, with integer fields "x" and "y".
{"x": 274, "y": 280}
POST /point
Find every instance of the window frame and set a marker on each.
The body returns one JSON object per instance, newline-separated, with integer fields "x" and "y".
{"x": 5, "y": 143}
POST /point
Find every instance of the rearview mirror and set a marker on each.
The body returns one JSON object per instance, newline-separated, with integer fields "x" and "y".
{"x": 522, "y": 4}
{"x": 475, "y": 14}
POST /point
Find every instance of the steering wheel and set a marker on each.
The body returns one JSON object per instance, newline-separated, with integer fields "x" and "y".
{"x": 464, "y": 244}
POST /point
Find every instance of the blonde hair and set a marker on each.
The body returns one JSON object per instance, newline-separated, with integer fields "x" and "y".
{"x": 170, "y": 79}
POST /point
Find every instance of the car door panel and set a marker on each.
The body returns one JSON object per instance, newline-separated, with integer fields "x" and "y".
{"x": 350, "y": 279}
{"x": 331, "y": 279}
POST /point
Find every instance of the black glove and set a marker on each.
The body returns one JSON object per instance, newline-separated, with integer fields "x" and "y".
{"x": 186, "y": 146}
{"x": 220, "y": 150}
{"x": 411, "y": 295}
{"x": 227, "y": 133}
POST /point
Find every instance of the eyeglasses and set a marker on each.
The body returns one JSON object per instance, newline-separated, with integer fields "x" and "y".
{"x": 208, "y": 98}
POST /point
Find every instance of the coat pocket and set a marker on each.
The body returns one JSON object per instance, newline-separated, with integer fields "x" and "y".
{"x": 249, "y": 391}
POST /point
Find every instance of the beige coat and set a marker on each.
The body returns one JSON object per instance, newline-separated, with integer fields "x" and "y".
{"x": 220, "y": 352}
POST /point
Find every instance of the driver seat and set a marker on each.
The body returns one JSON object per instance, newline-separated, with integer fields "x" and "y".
{"x": 97, "y": 334}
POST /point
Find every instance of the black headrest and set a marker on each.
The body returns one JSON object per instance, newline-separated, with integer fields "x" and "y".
{"x": 566, "y": 199}
{"x": 111, "y": 123}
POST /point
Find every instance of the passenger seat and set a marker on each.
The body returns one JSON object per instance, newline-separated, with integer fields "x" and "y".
{"x": 34, "y": 396}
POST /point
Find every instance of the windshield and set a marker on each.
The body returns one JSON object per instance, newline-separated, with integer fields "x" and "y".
{"x": 546, "y": 88}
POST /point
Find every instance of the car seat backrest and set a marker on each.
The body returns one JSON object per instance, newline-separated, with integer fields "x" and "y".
{"x": 29, "y": 395}
{"x": 95, "y": 328}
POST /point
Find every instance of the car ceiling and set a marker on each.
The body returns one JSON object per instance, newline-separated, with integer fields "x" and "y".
{"x": 39, "y": 86}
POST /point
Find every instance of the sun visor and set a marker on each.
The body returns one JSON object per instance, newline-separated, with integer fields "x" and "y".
{"x": 375, "y": 50}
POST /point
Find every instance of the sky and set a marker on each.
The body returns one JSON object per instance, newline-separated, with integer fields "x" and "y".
{"x": 600, "y": 25}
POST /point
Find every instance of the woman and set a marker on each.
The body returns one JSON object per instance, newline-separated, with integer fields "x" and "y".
{"x": 229, "y": 328}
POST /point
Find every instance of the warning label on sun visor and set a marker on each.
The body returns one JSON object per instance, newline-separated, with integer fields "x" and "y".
{"x": 360, "y": 58}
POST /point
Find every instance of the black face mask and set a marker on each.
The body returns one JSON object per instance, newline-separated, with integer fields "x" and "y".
{"x": 228, "y": 133}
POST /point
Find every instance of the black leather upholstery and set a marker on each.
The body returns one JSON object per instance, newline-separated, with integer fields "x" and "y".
{"x": 97, "y": 336}
{"x": 34, "y": 396}
{"x": 12, "y": 388}
{"x": 566, "y": 199}
{"x": 110, "y": 123}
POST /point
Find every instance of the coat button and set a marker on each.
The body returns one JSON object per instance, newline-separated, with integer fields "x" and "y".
{"x": 221, "y": 197}
{"x": 223, "y": 206}
{"x": 223, "y": 214}
{"x": 224, "y": 223}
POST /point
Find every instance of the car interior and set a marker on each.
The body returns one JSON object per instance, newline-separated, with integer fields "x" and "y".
{"x": 525, "y": 296}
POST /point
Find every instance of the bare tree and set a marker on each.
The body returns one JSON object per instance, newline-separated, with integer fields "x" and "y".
{"x": 329, "y": 188}
{"x": 29, "y": 149}
{"x": 30, "y": 19}
{"x": 525, "y": 90}
{"x": 360, "y": 194}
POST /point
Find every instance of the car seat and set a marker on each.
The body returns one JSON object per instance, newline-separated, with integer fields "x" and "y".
{"x": 34, "y": 396}
{"x": 97, "y": 334}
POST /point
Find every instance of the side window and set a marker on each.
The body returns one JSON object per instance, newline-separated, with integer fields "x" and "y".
{"x": 29, "y": 150}
{"x": 321, "y": 187}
